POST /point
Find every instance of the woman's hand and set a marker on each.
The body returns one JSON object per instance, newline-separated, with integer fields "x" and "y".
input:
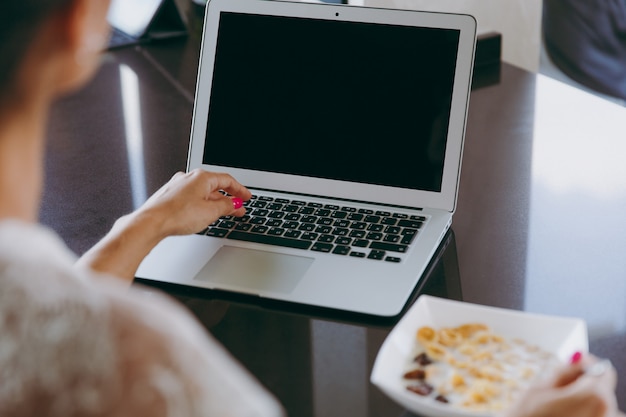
{"x": 186, "y": 204}
{"x": 571, "y": 392}
{"x": 190, "y": 202}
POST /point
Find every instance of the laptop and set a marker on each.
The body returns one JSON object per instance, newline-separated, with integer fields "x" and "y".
{"x": 347, "y": 124}
{"x": 138, "y": 21}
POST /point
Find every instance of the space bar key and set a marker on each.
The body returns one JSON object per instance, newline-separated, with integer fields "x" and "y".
{"x": 269, "y": 240}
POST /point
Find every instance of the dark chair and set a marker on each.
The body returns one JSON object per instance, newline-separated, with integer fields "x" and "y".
{"x": 586, "y": 40}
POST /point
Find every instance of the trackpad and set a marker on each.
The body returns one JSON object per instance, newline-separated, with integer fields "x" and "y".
{"x": 255, "y": 270}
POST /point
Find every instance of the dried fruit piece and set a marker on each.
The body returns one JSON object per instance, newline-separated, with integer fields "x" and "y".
{"x": 423, "y": 359}
{"x": 422, "y": 388}
{"x": 415, "y": 374}
{"x": 441, "y": 399}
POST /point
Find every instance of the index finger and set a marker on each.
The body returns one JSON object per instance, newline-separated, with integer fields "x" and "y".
{"x": 567, "y": 375}
{"x": 226, "y": 182}
{"x": 601, "y": 382}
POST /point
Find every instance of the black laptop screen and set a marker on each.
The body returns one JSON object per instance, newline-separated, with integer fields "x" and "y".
{"x": 339, "y": 100}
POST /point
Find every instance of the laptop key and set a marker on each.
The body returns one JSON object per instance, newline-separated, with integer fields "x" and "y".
{"x": 326, "y": 238}
{"x": 217, "y": 232}
{"x": 391, "y": 238}
{"x": 306, "y": 227}
{"x": 276, "y": 231}
{"x": 323, "y": 229}
{"x": 325, "y": 221}
{"x": 245, "y": 227}
{"x": 360, "y": 243}
{"x": 272, "y": 222}
{"x": 413, "y": 224}
{"x": 408, "y": 235}
{"x": 393, "y": 247}
{"x": 374, "y": 236}
{"x": 372, "y": 219}
{"x": 309, "y": 236}
{"x": 258, "y": 229}
{"x": 341, "y": 223}
{"x": 341, "y": 250}
{"x": 291, "y": 225}
{"x": 322, "y": 247}
{"x": 376, "y": 255}
{"x": 309, "y": 219}
{"x": 394, "y": 230}
{"x": 339, "y": 231}
{"x": 358, "y": 225}
{"x": 343, "y": 241}
{"x": 226, "y": 224}
{"x": 375, "y": 227}
{"x": 270, "y": 240}
{"x": 294, "y": 234}
{"x": 322, "y": 212}
{"x": 276, "y": 215}
{"x": 356, "y": 216}
{"x": 358, "y": 234}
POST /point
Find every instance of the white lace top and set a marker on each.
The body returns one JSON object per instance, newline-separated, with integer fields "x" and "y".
{"x": 76, "y": 344}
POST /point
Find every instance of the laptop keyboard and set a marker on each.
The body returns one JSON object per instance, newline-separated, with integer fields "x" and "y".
{"x": 340, "y": 230}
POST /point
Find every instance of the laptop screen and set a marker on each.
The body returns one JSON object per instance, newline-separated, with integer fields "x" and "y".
{"x": 351, "y": 101}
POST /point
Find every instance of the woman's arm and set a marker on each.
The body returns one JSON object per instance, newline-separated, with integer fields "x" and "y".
{"x": 185, "y": 205}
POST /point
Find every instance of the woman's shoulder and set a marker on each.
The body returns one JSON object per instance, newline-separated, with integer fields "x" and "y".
{"x": 40, "y": 284}
{"x": 74, "y": 325}
{"x": 32, "y": 244}
{"x": 37, "y": 267}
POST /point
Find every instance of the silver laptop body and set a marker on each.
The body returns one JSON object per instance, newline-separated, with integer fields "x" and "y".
{"x": 328, "y": 109}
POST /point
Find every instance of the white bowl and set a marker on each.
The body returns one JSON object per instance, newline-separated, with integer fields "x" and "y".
{"x": 558, "y": 335}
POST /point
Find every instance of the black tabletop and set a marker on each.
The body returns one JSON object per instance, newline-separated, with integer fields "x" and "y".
{"x": 539, "y": 225}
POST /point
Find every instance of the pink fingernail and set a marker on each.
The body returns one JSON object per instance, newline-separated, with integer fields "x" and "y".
{"x": 576, "y": 357}
{"x": 237, "y": 203}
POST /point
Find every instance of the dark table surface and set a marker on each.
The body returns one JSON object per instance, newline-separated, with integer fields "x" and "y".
{"x": 540, "y": 224}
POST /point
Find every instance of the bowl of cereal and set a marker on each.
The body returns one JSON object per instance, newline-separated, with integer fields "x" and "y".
{"x": 449, "y": 358}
